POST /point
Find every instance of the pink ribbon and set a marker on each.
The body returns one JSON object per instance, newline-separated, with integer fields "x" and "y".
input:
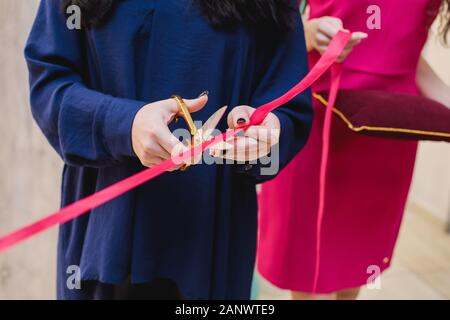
{"x": 84, "y": 205}
{"x": 336, "y": 72}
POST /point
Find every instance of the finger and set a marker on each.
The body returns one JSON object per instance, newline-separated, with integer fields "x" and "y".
{"x": 169, "y": 142}
{"x": 239, "y": 116}
{"x": 243, "y": 149}
{"x": 322, "y": 39}
{"x": 236, "y": 142}
{"x": 151, "y": 161}
{"x": 331, "y": 28}
{"x": 359, "y": 36}
{"x": 193, "y": 105}
{"x": 198, "y": 104}
{"x": 272, "y": 124}
{"x": 247, "y": 154}
{"x": 264, "y": 135}
{"x": 154, "y": 149}
{"x": 344, "y": 55}
{"x": 335, "y": 22}
{"x": 322, "y": 49}
{"x": 224, "y": 145}
{"x": 352, "y": 44}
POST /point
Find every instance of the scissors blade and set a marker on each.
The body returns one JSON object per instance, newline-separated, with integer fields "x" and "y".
{"x": 211, "y": 124}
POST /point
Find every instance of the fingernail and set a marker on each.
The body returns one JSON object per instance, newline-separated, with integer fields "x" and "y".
{"x": 241, "y": 121}
{"x": 204, "y": 93}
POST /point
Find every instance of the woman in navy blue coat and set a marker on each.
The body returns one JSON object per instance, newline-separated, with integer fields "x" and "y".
{"x": 189, "y": 234}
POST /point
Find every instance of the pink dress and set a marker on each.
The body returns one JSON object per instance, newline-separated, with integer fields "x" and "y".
{"x": 368, "y": 178}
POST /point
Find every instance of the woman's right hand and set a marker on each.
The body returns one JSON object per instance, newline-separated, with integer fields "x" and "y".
{"x": 320, "y": 31}
{"x": 152, "y": 140}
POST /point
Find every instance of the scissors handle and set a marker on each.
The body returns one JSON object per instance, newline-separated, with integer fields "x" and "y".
{"x": 184, "y": 112}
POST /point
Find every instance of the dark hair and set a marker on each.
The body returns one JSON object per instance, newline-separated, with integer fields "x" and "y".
{"x": 279, "y": 14}
{"x": 445, "y": 22}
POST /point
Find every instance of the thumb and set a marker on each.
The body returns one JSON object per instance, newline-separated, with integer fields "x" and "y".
{"x": 239, "y": 116}
{"x": 197, "y": 104}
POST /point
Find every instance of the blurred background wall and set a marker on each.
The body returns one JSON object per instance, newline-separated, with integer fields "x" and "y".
{"x": 30, "y": 170}
{"x": 431, "y": 188}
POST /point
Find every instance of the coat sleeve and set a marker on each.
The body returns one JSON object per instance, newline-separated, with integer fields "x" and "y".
{"x": 86, "y": 127}
{"x": 286, "y": 63}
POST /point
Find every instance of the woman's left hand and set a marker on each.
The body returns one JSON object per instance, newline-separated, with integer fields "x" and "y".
{"x": 254, "y": 143}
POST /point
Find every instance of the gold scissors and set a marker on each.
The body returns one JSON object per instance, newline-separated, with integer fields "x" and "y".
{"x": 198, "y": 136}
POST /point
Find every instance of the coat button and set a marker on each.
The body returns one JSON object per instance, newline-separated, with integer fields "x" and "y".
{"x": 248, "y": 167}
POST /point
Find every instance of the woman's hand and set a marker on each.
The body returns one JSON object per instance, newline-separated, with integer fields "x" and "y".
{"x": 256, "y": 142}
{"x": 152, "y": 140}
{"x": 320, "y": 31}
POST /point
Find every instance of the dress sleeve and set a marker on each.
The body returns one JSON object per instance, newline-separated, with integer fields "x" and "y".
{"x": 86, "y": 127}
{"x": 286, "y": 63}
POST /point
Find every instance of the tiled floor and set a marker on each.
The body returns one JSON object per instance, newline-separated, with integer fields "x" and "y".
{"x": 421, "y": 266}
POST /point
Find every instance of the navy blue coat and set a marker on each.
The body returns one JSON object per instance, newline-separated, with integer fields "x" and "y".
{"x": 197, "y": 227}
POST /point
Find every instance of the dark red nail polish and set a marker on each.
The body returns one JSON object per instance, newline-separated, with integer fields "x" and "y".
{"x": 241, "y": 121}
{"x": 204, "y": 93}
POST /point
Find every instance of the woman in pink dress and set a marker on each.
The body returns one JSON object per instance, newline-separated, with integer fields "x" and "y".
{"x": 368, "y": 177}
